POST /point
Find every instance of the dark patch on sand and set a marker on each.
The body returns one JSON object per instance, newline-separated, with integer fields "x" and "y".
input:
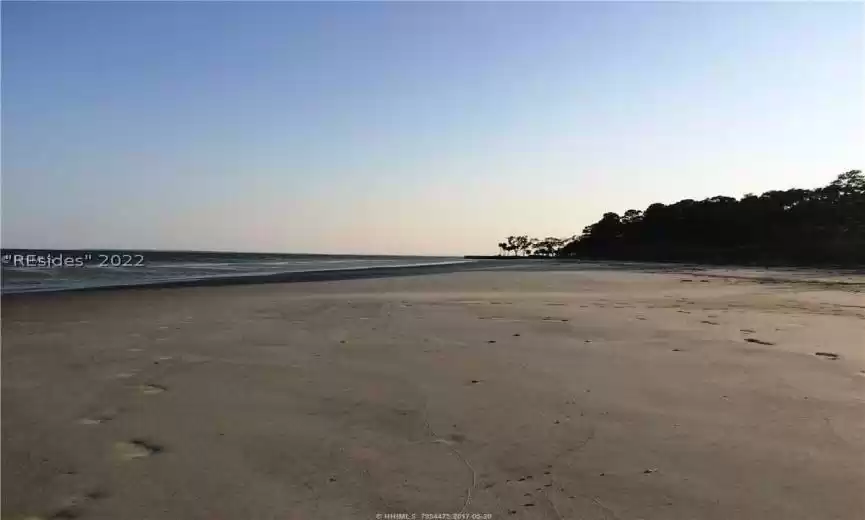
{"x": 758, "y": 341}
{"x": 457, "y": 437}
{"x": 65, "y": 513}
{"x": 96, "y": 494}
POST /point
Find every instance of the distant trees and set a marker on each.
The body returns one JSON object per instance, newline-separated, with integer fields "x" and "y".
{"x": 549, "y": 246}
{"x": 526, "y": 246}
{"x": 516, "y": 245}
{"x": 796, "y": 226}
{"x": 823, "y": 225}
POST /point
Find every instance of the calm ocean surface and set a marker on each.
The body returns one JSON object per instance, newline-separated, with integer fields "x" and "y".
{"x": 54, "y": 270}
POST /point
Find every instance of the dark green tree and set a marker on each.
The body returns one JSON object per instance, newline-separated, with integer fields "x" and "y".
{"x": 818, "y": 226}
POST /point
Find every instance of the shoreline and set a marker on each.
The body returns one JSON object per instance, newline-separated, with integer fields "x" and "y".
{"x": 255, "y": 279}
{"x": 852, "y": 268}
{"x": 817, "y": 276}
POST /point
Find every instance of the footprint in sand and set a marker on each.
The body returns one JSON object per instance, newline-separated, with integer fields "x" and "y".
{"x": 99, "y": 418}
{"x": 96, "y": 494}
{"x": 87, "y": 421}
{"x": 74, "y": 507}
{"x": 828, "y": 355}
{"x": 707, "y": 322}
{"x": 136, "y": 449}
{"x": 62, "y": 514}
{"x": 151, "y": 389}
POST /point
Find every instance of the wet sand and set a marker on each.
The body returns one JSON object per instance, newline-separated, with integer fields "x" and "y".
{"x": 544, "y": 392}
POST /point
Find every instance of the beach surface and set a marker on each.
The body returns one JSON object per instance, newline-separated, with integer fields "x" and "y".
{"x": 558, "y": 391}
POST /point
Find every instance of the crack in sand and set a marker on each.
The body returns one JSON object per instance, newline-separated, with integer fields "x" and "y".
{"x": 605, "y": 508}
{"x": 574, "y": 450}
{"x": 549, "y": 500}
{"x": 833, "y": 431}
{"x": 567, "y": 453}
{"x": 437, "y": 440}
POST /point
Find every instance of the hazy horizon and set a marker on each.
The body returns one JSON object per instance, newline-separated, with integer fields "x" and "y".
{"x": 408, "y": 128}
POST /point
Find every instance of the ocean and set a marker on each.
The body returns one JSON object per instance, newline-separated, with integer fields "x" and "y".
{"x": 64, "y": 270}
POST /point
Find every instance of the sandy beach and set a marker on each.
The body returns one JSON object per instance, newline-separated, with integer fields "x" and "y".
{"x": 558, "y": 392}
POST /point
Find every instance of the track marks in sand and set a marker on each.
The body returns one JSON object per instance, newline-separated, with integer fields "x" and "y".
{"x": 121, "y": 451}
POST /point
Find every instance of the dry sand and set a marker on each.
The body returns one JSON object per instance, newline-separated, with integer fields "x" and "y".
{"x": 564, "y": 394}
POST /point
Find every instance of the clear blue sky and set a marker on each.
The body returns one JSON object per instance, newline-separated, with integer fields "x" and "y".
{"x": 432, "y": 128}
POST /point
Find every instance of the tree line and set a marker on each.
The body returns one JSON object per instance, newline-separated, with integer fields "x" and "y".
{"x": 525, "y": 246}
{"x": 825, "y": 225}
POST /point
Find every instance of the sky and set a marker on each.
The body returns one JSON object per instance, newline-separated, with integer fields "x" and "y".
{"x": 408, "y": 127}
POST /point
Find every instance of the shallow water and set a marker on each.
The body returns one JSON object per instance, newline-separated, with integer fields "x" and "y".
{"x": 32, "y": 271}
